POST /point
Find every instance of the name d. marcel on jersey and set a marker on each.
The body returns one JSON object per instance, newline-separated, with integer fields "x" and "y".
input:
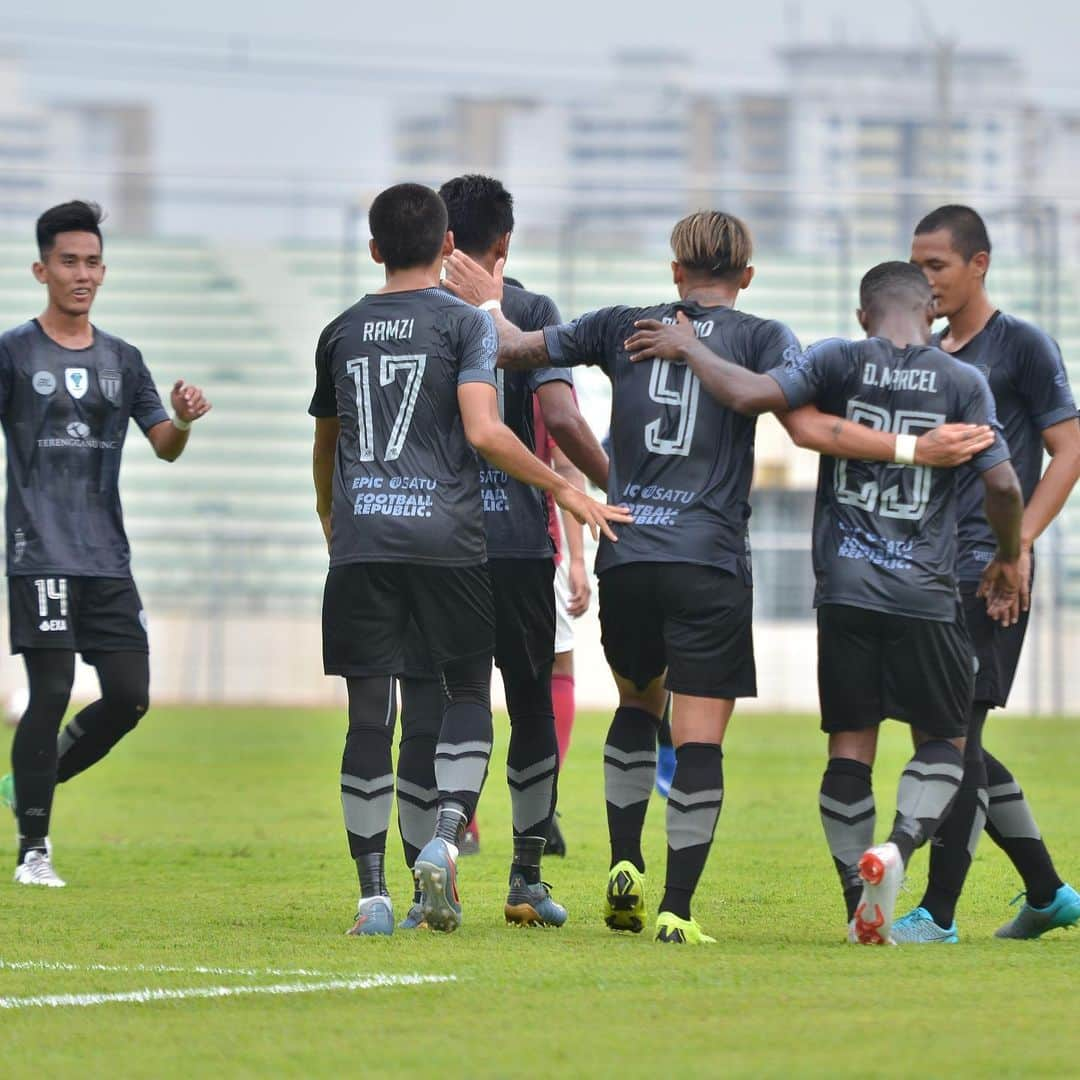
{"x": 900, "y": 378}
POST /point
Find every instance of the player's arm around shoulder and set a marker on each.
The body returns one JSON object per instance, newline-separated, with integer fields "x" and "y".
{"x": 169, "y": 437}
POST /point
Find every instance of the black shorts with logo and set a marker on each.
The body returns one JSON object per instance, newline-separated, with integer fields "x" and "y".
{"x": 997, "y": 649}
{"x": 81, "y": 614}
{"x": 368, "y": 607}
{"x": 694, "y": 621}
{"x": 873, "y": 665}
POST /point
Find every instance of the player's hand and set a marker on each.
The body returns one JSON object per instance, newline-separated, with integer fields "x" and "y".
{"x": 594, "y": 515}
{"x": 950, "y": 445}
{"x": 466, "y": 278}
{"x": 1000, "y": 587}
{"x": 188, "y": 402}
{"x": 324, "y": 521}
{"x": 580, "y": 589}
{"x": 656, "y": 339}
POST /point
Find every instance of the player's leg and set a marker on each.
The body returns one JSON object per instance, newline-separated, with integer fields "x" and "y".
{"x": 124, "y": 678}
{"x": 367, "y": 795}
{"x": 709, "y": 646}
{"x": 455, "y": 612}
{"x": 110, "y": 630}
{"x": 929, "y": 683}
{"x": 50, "y": 673}
{"x": 524, "y": 651}
{"x": 631, "y": 633}
{"x": 422, "y": 702}
{"x": 849, "y": 692}
{"x": 562, "y": 691}
{"x": 1050, "y": 903}
{"x": 364, "y": 619}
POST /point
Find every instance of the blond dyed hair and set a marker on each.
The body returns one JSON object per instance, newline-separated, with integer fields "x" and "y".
{"x": 712, "y": 242}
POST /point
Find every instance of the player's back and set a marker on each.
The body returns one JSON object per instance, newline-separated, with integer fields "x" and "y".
{"x": 515, "y": 514}
{"x": 885, "y": 534}
{"x": 679, "y": 459}
{"x": 406, "y": 482}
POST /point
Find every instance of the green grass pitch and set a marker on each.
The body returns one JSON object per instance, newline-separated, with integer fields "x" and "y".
{"x": 212, "y": 839}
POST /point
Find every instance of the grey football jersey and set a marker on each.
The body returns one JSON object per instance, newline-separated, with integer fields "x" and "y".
{"x": 515, "y": 515}
{"x": 406, "y": 481}
{"x": 65, "y": 415}
{"x": 1031, "y": 392}
{"x": 884, "y": 534}
{"x": 680, "y": 460}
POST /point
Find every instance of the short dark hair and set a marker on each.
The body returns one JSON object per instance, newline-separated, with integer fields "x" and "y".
{"x": 480, "y": 210}
{"x": 966, "y": 227}
{"x": 74, "y": 216}
{"x": 893, "y": 283}
{"x": 408, "y": 224}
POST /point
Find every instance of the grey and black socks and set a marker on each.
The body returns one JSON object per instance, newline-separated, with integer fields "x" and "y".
{"x": 846, "y": 803}
{"x": 928, "y": 787}
{"x": 629, "y": 774}
{"x": 693, "y": 807}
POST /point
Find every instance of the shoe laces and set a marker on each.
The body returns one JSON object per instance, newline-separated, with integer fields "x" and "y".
{"x": 41, "y": 868}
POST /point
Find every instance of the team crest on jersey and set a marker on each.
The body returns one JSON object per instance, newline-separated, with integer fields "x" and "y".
{"x": 111, "y": 381}
{"x": 77, "y": 380}
{"x": 44, "y": 382}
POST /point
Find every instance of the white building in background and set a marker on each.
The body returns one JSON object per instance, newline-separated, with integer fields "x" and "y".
{"x": 53, "y": 152}
{"x": 874, "y": 135}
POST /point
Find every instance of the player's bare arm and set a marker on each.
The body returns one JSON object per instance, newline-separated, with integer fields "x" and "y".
{"x": 170, "y": 436}
{"x": 1004, "y": 507}
{"x": 571, "y": 431}
{"x": 577, "y": 572}
{"x": 944, "y": 447}
{"x": 744, "y": 391}
{"x": 327, "y": 430}
{"x": 468, "y": 280}
{"x": 498, "y": 445}
{"x": 1062, "y": 443}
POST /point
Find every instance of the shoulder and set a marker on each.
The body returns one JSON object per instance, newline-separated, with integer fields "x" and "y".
{"x": 18, "y": 338}
{"x": 762, "y": 333}
{"x": 529, "y": 310}
{"x": 1021, "y": 339}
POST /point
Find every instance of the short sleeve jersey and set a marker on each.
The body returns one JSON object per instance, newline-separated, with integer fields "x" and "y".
{"x": 680, "y": 460}
{"x": 884, "y": 534}
{"x": 515, "y": 514}
{"x": 1031, "y": 392}
{"x": 406, "y": 484}
{"x": 65, "y": 414}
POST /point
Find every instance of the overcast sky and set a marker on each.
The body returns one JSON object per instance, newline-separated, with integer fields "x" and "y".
{"x": 254, "y": 88}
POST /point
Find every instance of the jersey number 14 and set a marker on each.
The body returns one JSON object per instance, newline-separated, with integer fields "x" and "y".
{"x": 389, "y": 369}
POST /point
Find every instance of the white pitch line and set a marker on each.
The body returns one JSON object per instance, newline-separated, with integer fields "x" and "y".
{"x": 163, "y": 969}
{"x": 142, "y": 997}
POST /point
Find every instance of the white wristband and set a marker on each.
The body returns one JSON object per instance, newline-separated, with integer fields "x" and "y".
{"x": 491, "y": 305}
{"x": 182, "y": 425}
{"x": 905, "y": 450}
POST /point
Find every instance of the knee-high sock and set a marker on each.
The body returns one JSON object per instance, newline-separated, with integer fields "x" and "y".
{"x": 629, "y": 772}
{"x": 367, "y": 777}
{"x": 1012, "y": 827}
{"x": 50, "y": 673}
{"x": 422, "y": 704}
{"x": 693, "y": 807}
{"x": 532, "y": 756}
{"x": 464, "y": 747}
{"x": 926, "y": 793}
{"x": 953, "y": 848}
{"x": 562, "y": 699}
{"x": 125, "y": 697}
{"x": 846, "y": 802}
